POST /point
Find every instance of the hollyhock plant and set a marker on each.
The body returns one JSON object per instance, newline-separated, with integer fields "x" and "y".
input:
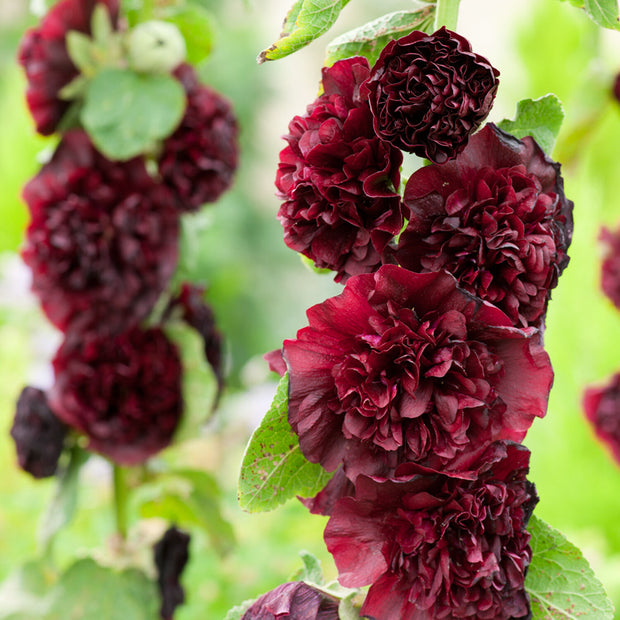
{"x": 38, "y": 434}
{"x": 43, "y": 55}
{"x": 429, "y": 92}
{"x": 610, "y": 272}
{"x": 496, "y": 218}
{"x": 602, "y": 409}
{"x": 199, "y": 159}
{"x": 171, "y": 555}
{"x": 408, "y": 367}
{"x": 338, "y": 179}
{"x": 295, "y": 600}
{"x": 123, "y": 393}
{"x": 103, "y": 238}
{"x": 433, "y": 547}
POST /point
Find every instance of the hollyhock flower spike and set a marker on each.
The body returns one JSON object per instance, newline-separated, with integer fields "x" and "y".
{"x": 496, "y": 218}
{"x": 44, "y": 57}
{"x": 610, "y": 271}
{"x": 295, "y": 600}
{"x": 602, "y": 409}
{"x": 338, "y": 180}
{"x": 199, "y": 159}
{"x": 405, "y": 366}
{"x": 103, "y": 239}
{"x": 123, "y": 393}
{"x": 434, "y": 547}
{"x": 429, "y": 93}
{"x": 38, "y": 434}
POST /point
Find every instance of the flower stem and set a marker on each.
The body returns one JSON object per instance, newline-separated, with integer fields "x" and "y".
{"x": 120, "y": 501}
{"x": 447, "y": 14}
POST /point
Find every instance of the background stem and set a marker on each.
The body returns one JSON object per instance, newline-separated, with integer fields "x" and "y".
{"x": 446, "y": 14}
{"x": 120, "y": 501}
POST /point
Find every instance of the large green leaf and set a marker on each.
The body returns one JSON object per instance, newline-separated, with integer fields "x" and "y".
{"x": 539, "y": 118}
{"x": 306, "y": 21}
{"x": 560, "y": 582}
{"x": 126, "y": 113}
{"x": 273, "y": 468}
{"x": 370, "y": 39}
{"x": 603, "y": 13}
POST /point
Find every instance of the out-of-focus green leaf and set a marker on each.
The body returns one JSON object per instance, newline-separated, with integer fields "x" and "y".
{"x": 370, "y": 39}
{"x": 603, "y": 13}
{"x": 312, "y": 571}
{"x": 273, "y": 468}
{"x": 196, "y": 25}
{"x": 539, "y": 118}
{"x": 306, "y": 21}
{"x": 22, "y": 594}
{"x": 560, "y": 582}
{"x": 126, "y": 113}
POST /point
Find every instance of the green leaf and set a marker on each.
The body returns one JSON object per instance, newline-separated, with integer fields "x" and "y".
{"x": 603, "y": 13}
{"x": 22, "y": 593}
{"x": 560, "y": 582}
{"x": 64, "y": 501}
{"x": 273, "y": 468}
{"x": 370, "y": 39}
{"x": 312, "y": 571}
{"x": 101, "y": 25}
{"x": 196, "y": 25}
{"x": 347, "y": 609}
{"x": 236, "y": 613}
{"x": 539, "y": 118}
{"x": 81, "y": 50}
{"x": 126, "y": 113}
{"x": 306, "y": 21}
{"x": 87, "y": 590}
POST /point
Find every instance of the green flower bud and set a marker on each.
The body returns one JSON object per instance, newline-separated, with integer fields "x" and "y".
{"x": 156, "y": 47}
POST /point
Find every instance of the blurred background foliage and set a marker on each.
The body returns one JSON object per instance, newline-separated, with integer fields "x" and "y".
{"x": 260, "y": 290}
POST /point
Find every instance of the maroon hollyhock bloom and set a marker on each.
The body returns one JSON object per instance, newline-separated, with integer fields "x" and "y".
{"x": 429, "y": 93}
{"x": 199, "y": 159}
{"x": 616, "y": 88}
{"x": 44, "y": 57}
{"x": 171, "y": 555}
{"x": 102, "y": 242}
{"x": 338, "y": 180}
{"x": 408, "y": 367}
{"x": 434, "y": 547}
{"x": 602, "y": 408}
{"x": 295, "y": 600}
{"x": 38, "y": 434}
{"x": 610, "y": 272}
{"x": 496, "y": 218}
{"x": 124, "y": 392}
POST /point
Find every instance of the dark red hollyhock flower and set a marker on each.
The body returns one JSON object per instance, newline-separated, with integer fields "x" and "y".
{"x": 38, "y": 434}
{"x": 429, "y": 93}
{"x": 103, "y": 238}
{"x": 338, "y": 180}
{"x": 199, "y": 159}
{"x": 43, "y": 55}
{"x": 616, "y": 88}
{"x": 124, "y": 392}
{"x": 602, "y": 408}
{"x": 171, "y": 555}
{"x": 295, "y": 600}
{"x": 496, "y": 218}
{"x": 408, "y": 367}
{"x": 434, "y": 547}
{"x": 610, "y": 272}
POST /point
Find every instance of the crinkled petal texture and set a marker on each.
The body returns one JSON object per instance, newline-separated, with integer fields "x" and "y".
{"x": 103, "y": 239}
{"x": 124, "y": 392}
{"x": 496, "y": 218}
{"x": 44, "y": 57}
{"x": 429, "y": 93}
{"x": 610, "y": 270}
{"x": 38, "y": 434}
{"x": 602, "y": 409}
{"x": 405, "y": 366}
{"x": 338, "y": 179}
{"x": 295, "y": 600}
{"x": 199, "y": 159}
{"x": 434, "y": 547}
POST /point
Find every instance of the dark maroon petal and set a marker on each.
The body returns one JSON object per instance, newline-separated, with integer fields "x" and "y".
{"x": 610, "y": 269}
{"x": 602, "y": 409}
{"x": 323, "y": 502}
{"x": 171, "y": 555}
{"x": 38, "y": 434}
{"x": 276, "y": 361}
{"x": 429, "y": 93}
{"x": 124, "y": 392}
{"x": 496, "y": 218}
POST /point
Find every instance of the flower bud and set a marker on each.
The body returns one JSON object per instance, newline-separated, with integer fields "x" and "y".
{"x": 156, "y": 47}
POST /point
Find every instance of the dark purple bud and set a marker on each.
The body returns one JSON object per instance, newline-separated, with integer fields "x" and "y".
{"x": 171, "y": 555}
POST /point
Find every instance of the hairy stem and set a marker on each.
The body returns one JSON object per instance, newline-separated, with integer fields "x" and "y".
{"x": 447, "y": 14}
{"x": 120, "y": 501}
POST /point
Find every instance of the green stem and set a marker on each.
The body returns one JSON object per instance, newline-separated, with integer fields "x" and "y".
{"x": 121, "y": 493}
{"x": 447, "y": 14}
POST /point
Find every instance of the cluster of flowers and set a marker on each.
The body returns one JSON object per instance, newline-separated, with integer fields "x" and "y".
{"x": 409, "y": 385}
{"x": 602, "y": 404}
{"x": 103, "y": 246}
